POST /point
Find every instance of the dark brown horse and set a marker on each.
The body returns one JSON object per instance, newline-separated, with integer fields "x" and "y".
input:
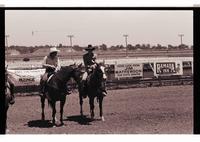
{"x": 8, "y": 96}
{"x": 95, "y": 87}
{"x": 54, "y": 90}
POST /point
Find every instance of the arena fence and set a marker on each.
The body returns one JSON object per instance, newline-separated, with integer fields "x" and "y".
{"x": 121, "y": 73}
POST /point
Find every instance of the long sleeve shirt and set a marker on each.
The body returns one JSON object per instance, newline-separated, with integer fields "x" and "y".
{"x": 50, "y": 63}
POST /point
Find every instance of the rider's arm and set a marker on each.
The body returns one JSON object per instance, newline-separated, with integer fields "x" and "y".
{"x": 45, "y": 65}
{"x": 94, "y": 58}
{"x": 58, "y": 65}
{"x": 44, "y": 61}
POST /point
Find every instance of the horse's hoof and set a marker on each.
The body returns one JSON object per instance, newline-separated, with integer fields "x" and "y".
{"x": 43, "y": 118}
{"x": 7, "y": 130}
{"x": 102, "y": 118}
{"x": 62, "y": 125}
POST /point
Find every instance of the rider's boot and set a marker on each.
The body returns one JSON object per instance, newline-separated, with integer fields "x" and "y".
{"x": 104, "y": 93}
{"x": 103, "y": 88}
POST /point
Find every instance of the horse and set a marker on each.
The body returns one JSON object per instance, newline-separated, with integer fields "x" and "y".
{"x": 7, "y": 97}
{"x": 54, "y": 91}
{"x": 95, "y": 82}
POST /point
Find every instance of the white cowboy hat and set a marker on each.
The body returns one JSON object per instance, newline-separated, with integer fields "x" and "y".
{"x": 53, "y": 49}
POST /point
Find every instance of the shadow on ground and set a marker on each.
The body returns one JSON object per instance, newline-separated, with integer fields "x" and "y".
{"x": 40, "y": 123}
{"x": 82, "y": 120}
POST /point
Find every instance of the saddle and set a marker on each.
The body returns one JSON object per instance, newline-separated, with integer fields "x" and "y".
{"x": 44, "y": 83}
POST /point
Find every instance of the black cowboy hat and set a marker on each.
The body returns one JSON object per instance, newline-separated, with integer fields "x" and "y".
{"x": 90, "y": 48}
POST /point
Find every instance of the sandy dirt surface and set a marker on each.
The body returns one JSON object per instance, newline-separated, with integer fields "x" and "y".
{"x": 155, "y": 110}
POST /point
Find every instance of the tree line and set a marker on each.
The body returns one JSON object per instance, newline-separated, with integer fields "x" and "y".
{"x": 103, "y": 47}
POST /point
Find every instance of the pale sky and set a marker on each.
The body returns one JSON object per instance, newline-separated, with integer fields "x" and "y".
{"x": 98, "y": 27}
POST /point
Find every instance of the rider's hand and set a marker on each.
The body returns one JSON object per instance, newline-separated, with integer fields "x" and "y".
{"x": 49, "y": 66}
{"x": 89, "y": 69}
{"x": 94, "y": 66}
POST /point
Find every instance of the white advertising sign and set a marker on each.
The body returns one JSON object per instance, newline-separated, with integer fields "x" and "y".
{"x": 27, "y": 76}
{"x": 128, "y": 70}
{"x": 168, "y": 68}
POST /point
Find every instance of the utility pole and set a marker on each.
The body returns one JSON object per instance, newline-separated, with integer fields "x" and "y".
{"x": 126, "y": 36}
{"x": 7, "y": 36}
{"x": 181, "y": 36}
{"x": 70, "y": 39}
{"x": 34, "y": 39}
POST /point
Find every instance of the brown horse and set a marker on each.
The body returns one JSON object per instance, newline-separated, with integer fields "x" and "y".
{"x": 54, "y": 90}
{"x": 8, "y": 96}
{"x": 95, "y": 87}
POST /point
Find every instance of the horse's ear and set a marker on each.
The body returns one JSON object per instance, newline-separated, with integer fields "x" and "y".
{"x": 103, "y": 62}
{"x": 80, "y": 65}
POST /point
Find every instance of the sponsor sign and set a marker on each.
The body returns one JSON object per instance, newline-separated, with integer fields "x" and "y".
{"x": 168, "y": 68}
{"x": 128, "y": 70}
{"x": 27, "y": 76}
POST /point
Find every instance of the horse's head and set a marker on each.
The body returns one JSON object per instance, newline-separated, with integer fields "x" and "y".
{"x": 78, "y": 70}
{"x": 100, "y": 71}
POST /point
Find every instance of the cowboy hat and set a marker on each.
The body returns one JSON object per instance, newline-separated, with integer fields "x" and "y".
{"x": 90, "y": 48}
{"x": 53, "y": 49}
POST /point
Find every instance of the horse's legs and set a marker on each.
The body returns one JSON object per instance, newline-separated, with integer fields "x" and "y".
{"x": 62, "y": 103}
{"x": 53, "y": 104}
{"x": 101, "y": 108}
{"x": 81, "y": 104}
{"x": 42, "y": 99}
{"x": 91, "y": 100}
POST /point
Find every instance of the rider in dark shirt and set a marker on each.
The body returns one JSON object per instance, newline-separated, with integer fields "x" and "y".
{"x": 89, "y": 60}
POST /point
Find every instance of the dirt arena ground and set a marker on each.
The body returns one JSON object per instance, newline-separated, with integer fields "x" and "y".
{"x": 155, "y": 110}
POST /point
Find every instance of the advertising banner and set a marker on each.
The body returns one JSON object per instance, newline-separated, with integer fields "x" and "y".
{"x": 26, "y": 76}
{"x": 128, "y": 70}
{"x": 168, "y": 68}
